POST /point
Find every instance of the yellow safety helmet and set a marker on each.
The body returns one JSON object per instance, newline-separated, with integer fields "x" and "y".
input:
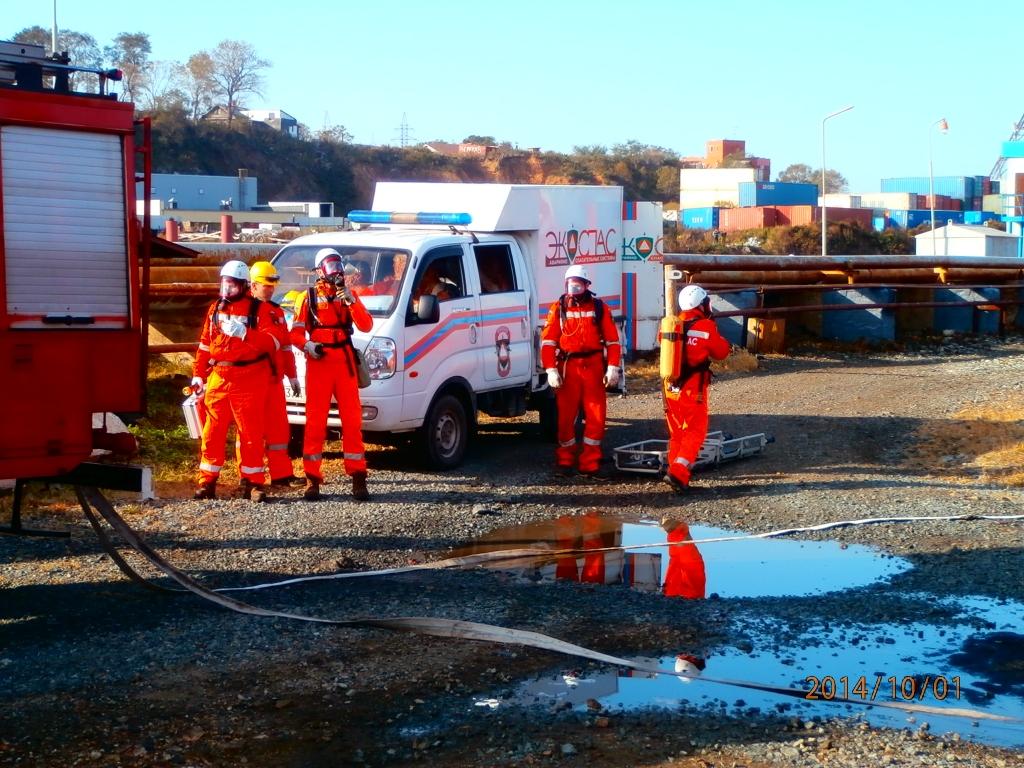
{"x": 288, "y": 302}
{"x": 263, "y": 272}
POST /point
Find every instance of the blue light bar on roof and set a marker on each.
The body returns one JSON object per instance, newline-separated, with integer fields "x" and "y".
{"x": 393, "y": 217}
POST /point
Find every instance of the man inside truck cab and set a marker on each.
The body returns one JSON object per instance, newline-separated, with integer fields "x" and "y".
{"x": 441, "y": 279}
{"x": 578, "y": 336}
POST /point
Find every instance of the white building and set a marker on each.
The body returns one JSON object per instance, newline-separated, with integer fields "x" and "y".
{"x": 966, "y": 240}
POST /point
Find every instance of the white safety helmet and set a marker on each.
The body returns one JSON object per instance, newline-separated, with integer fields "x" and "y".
{"x": 328, "y": 255}
{"x": 235, "y": 269}
{"x": 691, "y": 297}
{"x": 579, "y": 272}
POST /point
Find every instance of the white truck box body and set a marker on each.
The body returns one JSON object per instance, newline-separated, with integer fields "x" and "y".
{"x": 643, "y": 275}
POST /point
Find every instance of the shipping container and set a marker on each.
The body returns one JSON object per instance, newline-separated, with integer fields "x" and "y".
{"x": 708, "y": 198}
{"x": 901, "y": 201}
{"x": 979, "y": 217}
{"x": 878, "y": 223}
{"x": 715, "y": 178}
{"x": 733, "y": 328}
{"x": 736, "y": 219}
{"x": 992, "y": 203}
{"x": 836, "y": 200}
{"x": 801, "y": 215}
{"x": 917, "y": 217}
{"x": 700, "y": 218}
{"x": 960, "y": 187}
{"x": 760, "y": 193}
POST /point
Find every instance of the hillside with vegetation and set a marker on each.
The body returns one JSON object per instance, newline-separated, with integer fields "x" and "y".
{"x": 327, "y": 167}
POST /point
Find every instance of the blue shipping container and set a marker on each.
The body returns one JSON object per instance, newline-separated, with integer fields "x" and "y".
{"x": 760, "y": 193}
{"x": 963, "y": 319}
{"x": 878, "y": 223}
{"x": 857, "y": 324}
{"x": 957, "y": 187}
{"x": 699, "y": 218}
{"x": 979, "y": 217}
{"x": 915, "y": 218}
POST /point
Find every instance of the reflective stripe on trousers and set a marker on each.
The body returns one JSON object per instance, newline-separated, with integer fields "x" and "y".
{"x": 324, "y": 379}
{"x": 582, "y": 388}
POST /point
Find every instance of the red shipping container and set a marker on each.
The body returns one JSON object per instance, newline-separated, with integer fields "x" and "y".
{"x": 956, "y": 204}
{"x": 736, "y": 219}
{"x": 862, "y": 216}
{"x": 794, "y": 215}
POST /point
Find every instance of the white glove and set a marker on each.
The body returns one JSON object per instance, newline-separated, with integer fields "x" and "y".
{"x": 346, "y": 295}
{"x": 198, "y": 385}
{"x": 554, "y": 378}
{"x": 229, "y": 326}
{"x": 611, "y": 376}
{"x": 296, "y": 389}
{"x": 315, "y": 351}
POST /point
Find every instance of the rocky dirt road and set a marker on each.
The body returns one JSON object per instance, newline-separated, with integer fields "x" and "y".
{"x": 95, "y": 671}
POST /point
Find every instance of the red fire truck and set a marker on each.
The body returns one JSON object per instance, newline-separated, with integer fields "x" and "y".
{"x": 73, "y": 260}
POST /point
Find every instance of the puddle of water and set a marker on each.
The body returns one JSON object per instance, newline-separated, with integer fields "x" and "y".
{"x": 964, "y": 668}
{"x": 750, "y": 568}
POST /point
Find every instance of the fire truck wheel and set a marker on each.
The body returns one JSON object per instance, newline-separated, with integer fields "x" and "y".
{"x": 445, "y": 433}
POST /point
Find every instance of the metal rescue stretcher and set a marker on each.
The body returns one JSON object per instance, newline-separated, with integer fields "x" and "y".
{"x": 649, "y": 456}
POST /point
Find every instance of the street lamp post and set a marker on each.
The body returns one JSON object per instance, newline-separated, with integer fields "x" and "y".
{"x": 944, "y": 128}
{"x": 824, "y": 194}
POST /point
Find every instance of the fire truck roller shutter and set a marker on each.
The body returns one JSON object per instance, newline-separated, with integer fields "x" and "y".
{"x": 64, "y": 203}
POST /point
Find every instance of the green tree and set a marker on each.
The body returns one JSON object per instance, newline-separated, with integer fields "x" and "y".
{"x": 237, "y": 70}
{"x": 489, "y": 141}
{"x": 668, "y": 182}
{"x": 804, "y": 174}
{"x": 129, "y": 52}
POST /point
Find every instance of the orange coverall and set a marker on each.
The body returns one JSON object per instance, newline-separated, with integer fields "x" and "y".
{"x": 686, "y": 402}
{"x": 236, "y": 373}
{"x": 685, "y": 576}
{"x": 275, "y": 418}
{"x": 330, "y": 323}
{"x": 580, "y": 346}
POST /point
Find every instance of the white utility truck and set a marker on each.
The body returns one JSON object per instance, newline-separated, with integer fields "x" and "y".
{"x": 459, "y": 293}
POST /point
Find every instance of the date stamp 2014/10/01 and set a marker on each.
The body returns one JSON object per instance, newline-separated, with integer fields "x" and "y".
{"x": 893, "y": 688}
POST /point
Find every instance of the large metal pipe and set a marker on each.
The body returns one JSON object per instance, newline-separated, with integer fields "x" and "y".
{"x": 770, "y": 311}
{"x": 782, "y": 288}
{"x": 696, "y": 262}
{"x": 922, "y": 275}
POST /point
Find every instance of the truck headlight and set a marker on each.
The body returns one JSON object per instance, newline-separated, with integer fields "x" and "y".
{"x": 381, "y": 357}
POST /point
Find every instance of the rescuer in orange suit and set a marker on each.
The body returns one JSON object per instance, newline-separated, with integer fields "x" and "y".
{"x": 322, "y": 328}
{"x": 578, "y": 334}
{"x": 685, "y": 576}
{"x": 696, "y": 342}
{"x": 264, "y": 278}
{"x": 233, "y": 366}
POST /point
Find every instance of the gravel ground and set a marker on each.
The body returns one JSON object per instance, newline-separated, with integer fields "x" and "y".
{"x": 95, "y": 671}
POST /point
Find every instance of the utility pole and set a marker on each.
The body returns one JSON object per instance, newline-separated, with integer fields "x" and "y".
{"x": 403, "y": 132}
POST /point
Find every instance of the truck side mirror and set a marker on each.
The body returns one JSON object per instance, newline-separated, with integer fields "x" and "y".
{"x": 427, "y": 311}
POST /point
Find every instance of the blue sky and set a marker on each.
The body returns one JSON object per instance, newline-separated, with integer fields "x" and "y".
{"x": 557, "y": 74}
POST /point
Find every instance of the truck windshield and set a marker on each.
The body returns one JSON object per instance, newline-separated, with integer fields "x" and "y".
{"x": 374, "y": 274}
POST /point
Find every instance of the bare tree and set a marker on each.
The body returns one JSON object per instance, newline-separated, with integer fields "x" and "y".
{"x": 129, "y": 52}
{"x": 334, "y": 134}
{"x": 236, "y": 71}
{"x": 164, "y": 86}
{"x": 198, "y": 84}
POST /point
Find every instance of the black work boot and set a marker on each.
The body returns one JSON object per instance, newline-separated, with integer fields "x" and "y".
{"x": 359, "y": 492}
{"x": 207, "y": 490}
{"x": 312, "y": 490}
{"x": 252, "y": 491}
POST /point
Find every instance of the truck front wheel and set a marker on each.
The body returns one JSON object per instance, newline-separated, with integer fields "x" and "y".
{"x": 445, "y": 433}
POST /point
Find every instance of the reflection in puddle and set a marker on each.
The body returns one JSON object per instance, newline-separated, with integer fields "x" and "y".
{"x": 942, "y": 661}
{"x": 952, "y": 665}
{"x": 749, "y": 568}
